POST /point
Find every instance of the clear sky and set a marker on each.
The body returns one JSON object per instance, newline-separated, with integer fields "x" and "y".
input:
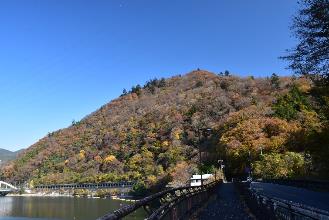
{"x": 63, "y": 59}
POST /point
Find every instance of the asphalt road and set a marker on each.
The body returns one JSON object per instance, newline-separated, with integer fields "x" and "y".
{"x": 314, "y": 199}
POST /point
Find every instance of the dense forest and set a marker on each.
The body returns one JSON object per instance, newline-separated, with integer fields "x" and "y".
{"x": 152, "y": 133}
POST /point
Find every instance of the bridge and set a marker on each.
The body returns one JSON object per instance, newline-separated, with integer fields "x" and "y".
{"x": 268, "y": 199}
{"x": 6, "y": 188}
{"x": 122, "y": 184}
{"x": 175, "y": 203}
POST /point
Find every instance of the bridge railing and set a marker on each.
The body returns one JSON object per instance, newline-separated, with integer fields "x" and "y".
{"x": 177, "y": 203}
{"x": 269, "y": 208}
{"x": 7, "y": 185}
{"x": 87, "y": 185}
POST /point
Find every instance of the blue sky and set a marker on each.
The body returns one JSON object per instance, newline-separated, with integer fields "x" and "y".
{"x": 63, "y": 59}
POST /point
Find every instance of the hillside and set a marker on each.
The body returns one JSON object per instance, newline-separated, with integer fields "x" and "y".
{"x": 6, "y": 155}
{"x": 151, "y": 133}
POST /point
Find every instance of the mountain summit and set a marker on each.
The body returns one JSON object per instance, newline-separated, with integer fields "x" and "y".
{"x": 152, "y": 132}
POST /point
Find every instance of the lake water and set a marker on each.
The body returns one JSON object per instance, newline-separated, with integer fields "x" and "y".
{"x": 30, "y": 208}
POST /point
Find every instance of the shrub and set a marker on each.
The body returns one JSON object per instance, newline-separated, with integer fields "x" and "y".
{"x": 139, "y": 189}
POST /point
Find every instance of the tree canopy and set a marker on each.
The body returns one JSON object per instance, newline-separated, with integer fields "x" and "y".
{"x": 311, "y": 27}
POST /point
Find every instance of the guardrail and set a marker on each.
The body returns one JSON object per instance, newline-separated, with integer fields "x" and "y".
{"x": 177, "y": 203}
{"x": 307, "y": 184}
{"x": 269, "y": 208}
{"x": 87, "y": 185}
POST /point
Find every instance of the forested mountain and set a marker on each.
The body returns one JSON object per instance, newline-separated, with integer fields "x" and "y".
{"x": 152, "y": 133}
{"x": 6, "y": 155}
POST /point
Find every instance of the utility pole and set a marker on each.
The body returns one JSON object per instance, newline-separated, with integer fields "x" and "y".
{"x": 200, "y": 159}
{"x": 220, "y": 162}
{"x": 249, "y": 154}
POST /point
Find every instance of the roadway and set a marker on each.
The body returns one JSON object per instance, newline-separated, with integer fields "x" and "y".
{"x": 302, "y": 196}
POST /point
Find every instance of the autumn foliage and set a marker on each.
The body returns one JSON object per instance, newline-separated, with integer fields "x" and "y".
{"x": 150, "y": 134}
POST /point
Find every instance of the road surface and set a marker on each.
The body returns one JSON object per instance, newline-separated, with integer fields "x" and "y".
{"x": 314, "y": 199}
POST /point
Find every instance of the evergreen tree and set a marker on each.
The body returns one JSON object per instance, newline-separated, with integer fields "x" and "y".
{"x": 162, "y": 82}
{"x": 311, "y": 27}
{"x": 275, "y": 81}
{"x": 289, "y": 105}
{"x": 124, "y": 92}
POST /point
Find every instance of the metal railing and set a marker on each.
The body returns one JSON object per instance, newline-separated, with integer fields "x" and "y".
{"x": 264, "y": 207}
{"x": 177, "y": 203}
{"x": 87, "y": 185}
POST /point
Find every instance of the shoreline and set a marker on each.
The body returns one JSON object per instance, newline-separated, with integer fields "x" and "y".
{"x": 54, "y": 195}
{"x": 39, "y": 195}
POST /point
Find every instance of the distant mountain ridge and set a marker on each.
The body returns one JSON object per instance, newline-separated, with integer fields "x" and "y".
{"x": 6, "y": 155}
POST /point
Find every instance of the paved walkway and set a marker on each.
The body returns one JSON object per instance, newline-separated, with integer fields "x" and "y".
{"x": 227, "y": 205}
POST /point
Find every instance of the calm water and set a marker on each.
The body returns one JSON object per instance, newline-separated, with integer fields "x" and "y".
{"x": 28, "y": 208}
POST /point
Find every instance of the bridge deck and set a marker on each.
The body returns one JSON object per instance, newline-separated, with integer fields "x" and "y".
{"x": 227, "y": 205}
{"x": 4, "y": 192}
